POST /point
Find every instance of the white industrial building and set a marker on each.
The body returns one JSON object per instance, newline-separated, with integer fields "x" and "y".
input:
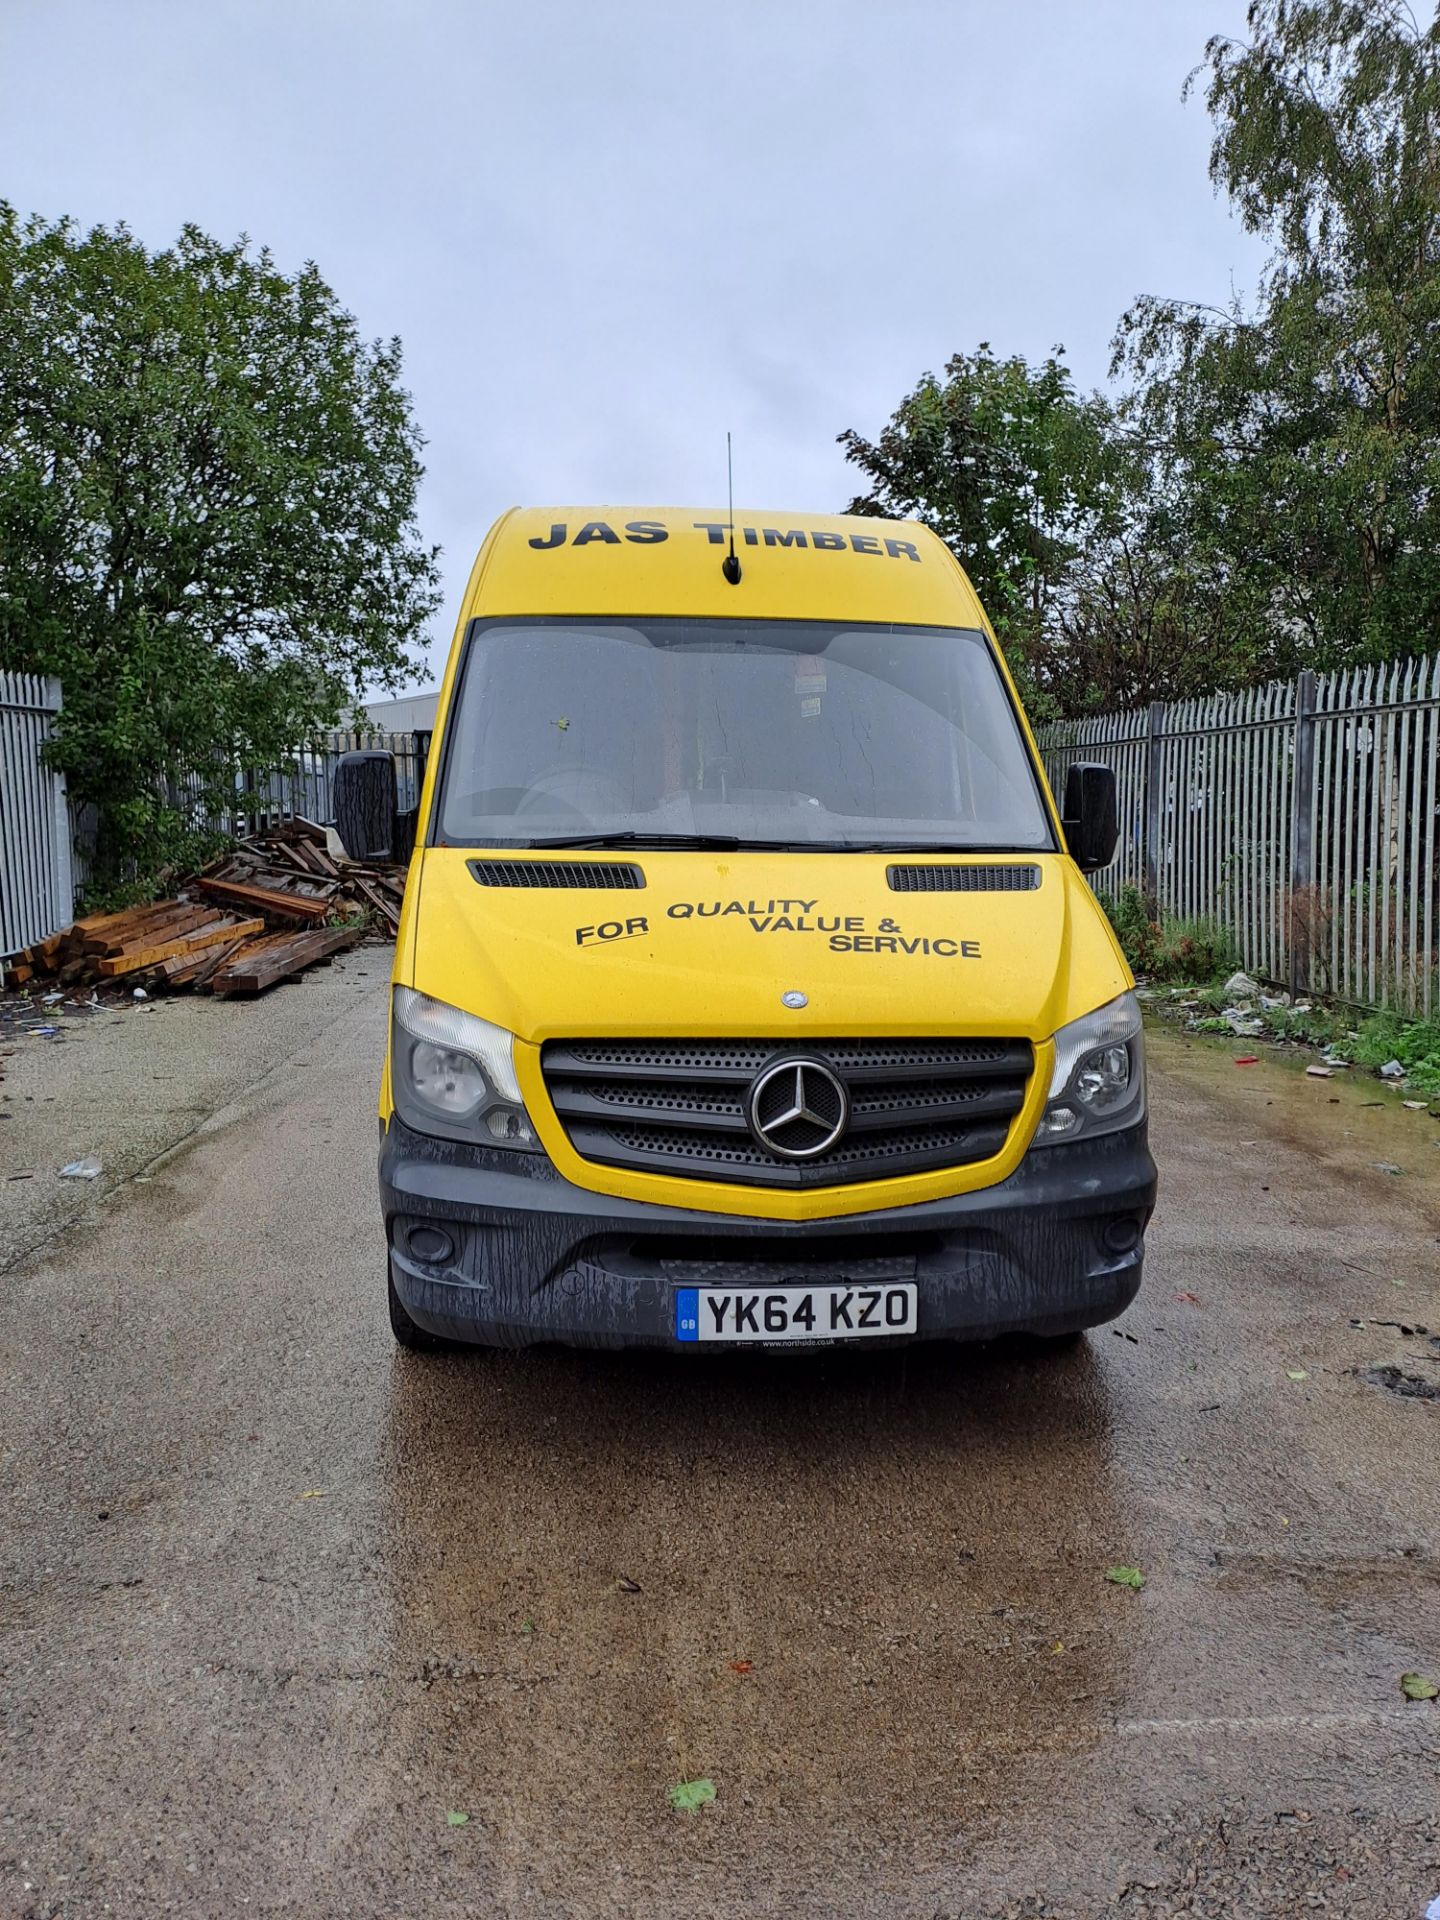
{"x": 411, "y": 713}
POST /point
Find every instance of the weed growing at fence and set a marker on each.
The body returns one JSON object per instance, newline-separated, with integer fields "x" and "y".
{"x": 1308, "y": 1025}
{"x": 1414, "y": 1043}
{"x": 1372, "y": 1042}
{"x": 1183, "y": 951}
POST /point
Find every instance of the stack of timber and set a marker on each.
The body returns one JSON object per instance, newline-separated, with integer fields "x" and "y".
{"x": 288, "y": 875}
{"x": 171, "y": 942}
{"x": 262, "y": 913}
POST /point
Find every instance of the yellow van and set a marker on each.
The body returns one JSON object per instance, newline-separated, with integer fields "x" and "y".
{"x": 747, "y": 990}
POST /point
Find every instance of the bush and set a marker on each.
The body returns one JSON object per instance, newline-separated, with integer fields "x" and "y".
{"x": 1138, "y": 934}
{"x": 1183, "y": 951}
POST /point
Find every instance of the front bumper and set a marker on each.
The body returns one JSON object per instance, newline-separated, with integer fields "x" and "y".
{"x": 1057, "y": 1246}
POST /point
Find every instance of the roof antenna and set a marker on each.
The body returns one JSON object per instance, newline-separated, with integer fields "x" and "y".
{"x": 730, "y": 565}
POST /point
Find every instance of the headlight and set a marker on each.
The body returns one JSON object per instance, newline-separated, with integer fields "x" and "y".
{"x": 454, "y": 1075}
{"x": 1098, "y": 1081}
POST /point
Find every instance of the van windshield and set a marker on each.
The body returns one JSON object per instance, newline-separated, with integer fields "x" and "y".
{"x": 781, "y": 733}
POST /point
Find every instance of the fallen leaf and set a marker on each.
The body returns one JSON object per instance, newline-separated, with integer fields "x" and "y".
{"x": 1296, "y": 1373}
{"x": 690, "y": 1795}
{"x": 1126, "y": 1576}
{"x": 742, "y": 1666}
{"x": 454, "y": 1819}
{"x": 527, "y": 1625}
{"x": 1418, "y": 1686}
{"x": 628, "y": 1586}
{"x": 314, "y": 1493}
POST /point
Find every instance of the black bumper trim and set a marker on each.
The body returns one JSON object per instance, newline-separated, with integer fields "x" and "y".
{"x": 535, "y": 1259}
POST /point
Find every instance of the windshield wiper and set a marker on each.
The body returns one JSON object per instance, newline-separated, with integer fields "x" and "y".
{"x": 735, "y": 843}
{"x": 722, "y": 842}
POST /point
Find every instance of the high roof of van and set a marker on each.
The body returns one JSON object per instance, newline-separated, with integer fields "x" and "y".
{"x": 667, "y": 560}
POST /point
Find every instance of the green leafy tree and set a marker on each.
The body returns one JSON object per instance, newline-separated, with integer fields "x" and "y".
{"x": 1303, "y": 435}
{"x": 1014, "y": 470}
{"x": 207, "y": 515}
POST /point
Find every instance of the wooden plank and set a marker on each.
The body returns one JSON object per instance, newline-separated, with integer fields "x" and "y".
{"x": 289, "y": 880}
{"x": 189, "y": 942}
{"x": 287, "y": 854}
{"x": 309, "y": 886}
{"x": 217, "y": 957}
{"x": 285, "y": 906}
{"x": 250, "y": 949}
{"x": 295, "y": 826}
{"x": 375, "y": 900}
{"x": 313, "y": 859}
{"x": 191, "y": 969}
{"x": 177, "y": 970}
{"x": 98, "y": 922}
{"x": 281, "y": 961}
{"x": 165, "y": 924}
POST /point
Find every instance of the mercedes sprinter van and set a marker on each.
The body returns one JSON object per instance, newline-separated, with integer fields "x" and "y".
{"x": 748, "y": 990}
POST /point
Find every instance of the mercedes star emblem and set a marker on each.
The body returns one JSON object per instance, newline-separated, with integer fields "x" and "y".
{"x": 794, "y": 998}
{"x": 798, "y": 1108}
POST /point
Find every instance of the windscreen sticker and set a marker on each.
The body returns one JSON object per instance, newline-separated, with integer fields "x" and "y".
{"x": 844, "y": 933}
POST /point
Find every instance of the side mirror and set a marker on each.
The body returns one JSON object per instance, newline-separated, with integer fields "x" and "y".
{"x": 367, "y": 805}
{"x": 1090, "y": 816}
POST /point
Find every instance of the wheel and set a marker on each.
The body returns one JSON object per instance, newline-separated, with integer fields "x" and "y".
{"x": 417, "y": 1339}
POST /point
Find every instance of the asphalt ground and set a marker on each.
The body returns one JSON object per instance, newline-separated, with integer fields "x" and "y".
{"x": 277, "y": 1600}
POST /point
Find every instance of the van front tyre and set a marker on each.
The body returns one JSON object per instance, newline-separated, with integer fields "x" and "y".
{"x": 416, "y": 1338}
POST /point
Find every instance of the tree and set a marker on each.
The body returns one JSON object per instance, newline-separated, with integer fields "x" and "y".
{"x": 207, "y": 514}
{"x": 1266, "y": 495}
{"x": 1014, "y": 470}
{"x": 1305, "y": 435}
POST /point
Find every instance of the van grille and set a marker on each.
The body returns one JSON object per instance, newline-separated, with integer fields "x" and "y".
{"x": 557, "y": 873}
{"x": 680, "y": 1106}
{"x": 1007, "y": 879}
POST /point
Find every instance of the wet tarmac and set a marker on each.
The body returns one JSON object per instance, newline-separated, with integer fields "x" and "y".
{"x": 277, "y": 1601}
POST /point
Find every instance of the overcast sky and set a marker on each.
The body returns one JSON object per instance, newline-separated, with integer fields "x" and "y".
{"x": 607, "y": 231}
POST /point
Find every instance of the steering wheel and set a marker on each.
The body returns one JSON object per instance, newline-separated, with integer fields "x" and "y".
{"x": 602, "y": 789}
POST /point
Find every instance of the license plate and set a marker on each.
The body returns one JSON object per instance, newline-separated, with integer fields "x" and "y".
{"x": 769, "y": 1314}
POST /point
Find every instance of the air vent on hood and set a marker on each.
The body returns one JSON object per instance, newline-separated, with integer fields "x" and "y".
{"x": 1023, "y": 879}
{"x": 558, "y": 873}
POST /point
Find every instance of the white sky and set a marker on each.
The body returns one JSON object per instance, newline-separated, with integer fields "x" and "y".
{"x": 606, "y": 231}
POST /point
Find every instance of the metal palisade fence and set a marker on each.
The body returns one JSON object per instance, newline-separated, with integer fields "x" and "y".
{"x": 35, "y": 872}
{"x": 1302, "y": 816}
{"x": 303, "y": 784}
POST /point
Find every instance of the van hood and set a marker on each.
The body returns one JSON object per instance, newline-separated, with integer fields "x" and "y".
{"x": 708, "y": 944}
